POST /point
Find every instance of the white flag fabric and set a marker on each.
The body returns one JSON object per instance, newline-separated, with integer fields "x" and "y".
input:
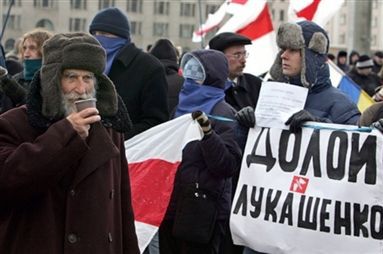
{"x": 318, "y": 11}
{"x": 319, "y": 191}
{"x": 213, "y": 20}
{"x": 250, "y": 18}
{"x": 153, "y": 158}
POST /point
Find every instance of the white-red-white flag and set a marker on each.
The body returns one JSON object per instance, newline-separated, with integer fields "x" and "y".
{"x": 318, "y": 11}
{"x": 213, "y": 20}
{"x": 153, "y": 158}
{"x": 251, "y": 18}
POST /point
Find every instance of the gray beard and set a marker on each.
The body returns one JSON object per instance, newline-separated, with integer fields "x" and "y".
{"x": 69, "y": 99}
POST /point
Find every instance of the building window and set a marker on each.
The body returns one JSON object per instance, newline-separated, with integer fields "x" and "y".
{"x": 43, "y": 3}
{"x": 373, "y": 41}
{"x": 186, "y": 31}
{"x": 342, "y": 38}
{"x": 342, "y": 20}
{"x": 135, "y": 27}
{"x": 134, "y": 6}
{"x": 187, "y": 9}
{"x": 78, "y": 4}
{"x": 211, "y": 8}
{"x": 13, "y": 21}
{"x": 281, "y": 15}
{"x": 16, "y": 2}
{"x": 45, "y": 23}
{"x": 102, "y": 4}
{"x": 374, "y": 22}
{"x": 77, "y": 24}
{"x": 161, "y": 29}
{"x": 161, "y": 7}
{"x": 9, "y": 44}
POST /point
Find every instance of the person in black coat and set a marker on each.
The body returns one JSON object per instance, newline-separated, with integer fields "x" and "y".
{"x": 211, "y": 161}
{"x": 164, "y": 50}
{"x": 139, "y": 77}
{"x": 244, "y": 89}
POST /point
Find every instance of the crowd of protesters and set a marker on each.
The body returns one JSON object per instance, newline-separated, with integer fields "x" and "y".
{"x": 63, "y": 178}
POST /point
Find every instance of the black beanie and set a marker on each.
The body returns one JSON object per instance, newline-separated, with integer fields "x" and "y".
{"x": 164, "y": 49}
{"x": 111, "y": 20}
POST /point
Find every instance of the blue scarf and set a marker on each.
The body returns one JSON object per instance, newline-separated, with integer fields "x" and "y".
{"x": 112, "y": 46}
{"x": 194, "y": 96}
{"x": 30, "y": 67}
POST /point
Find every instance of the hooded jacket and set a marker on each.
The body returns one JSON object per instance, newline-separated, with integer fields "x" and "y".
{"x": 164, "y": 51}
{"x": 216, "y": 158}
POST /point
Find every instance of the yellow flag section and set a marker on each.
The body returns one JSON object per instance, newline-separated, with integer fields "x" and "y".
{"x": 319, "y": 191}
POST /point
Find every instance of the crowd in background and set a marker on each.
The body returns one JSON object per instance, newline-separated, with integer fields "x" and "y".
{"x": 151, "y": 88}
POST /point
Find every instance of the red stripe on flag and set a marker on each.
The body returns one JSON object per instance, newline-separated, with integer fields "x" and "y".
{"x": 239, "y": 1}
{"x": 152, "y": 184}
{"x": 309, "y": 11}
{"x": 260, "y": 26}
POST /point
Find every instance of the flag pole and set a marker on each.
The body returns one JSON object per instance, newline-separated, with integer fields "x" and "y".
{"x": 6, "y": 18}
{"x": 200, "y": 22}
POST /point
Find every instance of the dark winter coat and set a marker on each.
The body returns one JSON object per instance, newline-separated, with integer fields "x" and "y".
{"x": 14, "y": 91}
{"x": 140, "y": 81}
{"x": 174, "y": 81}
{"x": 245, "y": 92}
{"x": 368, "y": 83}
{"x": 217, "y": 157}
{"x": 58, "y": 193}
{"x": 331, "y": 104}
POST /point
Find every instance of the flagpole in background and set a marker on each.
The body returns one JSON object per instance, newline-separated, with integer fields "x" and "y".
{"x": 11, "y": 2}
{"x": 200, "y": 22}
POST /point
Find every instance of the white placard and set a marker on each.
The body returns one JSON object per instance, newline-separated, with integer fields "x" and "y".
{"x": 319, "y": 191}
{"x": 277, "y": 102}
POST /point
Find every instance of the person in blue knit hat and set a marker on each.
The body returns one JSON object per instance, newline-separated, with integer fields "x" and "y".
{"x": 139, "y": 77}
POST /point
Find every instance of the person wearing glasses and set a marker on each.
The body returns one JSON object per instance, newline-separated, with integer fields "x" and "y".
{"x": 244, "y": 89}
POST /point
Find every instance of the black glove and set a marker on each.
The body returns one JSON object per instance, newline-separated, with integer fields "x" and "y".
{"x": 378, "y": 125}
{"x": 203, "y": 121}
{"x": 297, "y": 119}
{"x": 246, "y": 117}
{"x": 10, "y": 87}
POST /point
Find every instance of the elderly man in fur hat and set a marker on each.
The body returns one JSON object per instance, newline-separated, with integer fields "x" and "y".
{"x": 302, "y": 61}
{"x": 64, "y": 184}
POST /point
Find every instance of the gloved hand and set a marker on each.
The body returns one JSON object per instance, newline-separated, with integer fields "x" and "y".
{"x": 203, "y": 121}
{"x": 3, "y": 72}
{"x": 246, "y": 117}
{"x": 378, "y": 125}
{"x": 10, "y": 87}
{"x": 297, "y": 119}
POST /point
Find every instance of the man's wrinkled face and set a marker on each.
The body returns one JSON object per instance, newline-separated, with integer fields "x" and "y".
{"x": 76, "y": 85}
{"x": 236, "y": 57}
{"x": 291, "y": 62}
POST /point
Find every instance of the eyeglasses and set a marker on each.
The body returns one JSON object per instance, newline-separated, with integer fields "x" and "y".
{"x": 239, "y": 55}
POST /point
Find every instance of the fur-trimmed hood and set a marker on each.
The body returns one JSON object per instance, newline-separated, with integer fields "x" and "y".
{"x": 313, "y": 42}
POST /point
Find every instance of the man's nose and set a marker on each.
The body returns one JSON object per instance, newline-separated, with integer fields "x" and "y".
{"x": 81, "y": 86}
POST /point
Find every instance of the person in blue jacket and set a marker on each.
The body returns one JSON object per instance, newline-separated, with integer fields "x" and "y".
{"x": 302, "y": 61}
{"x": 211, "y": 161}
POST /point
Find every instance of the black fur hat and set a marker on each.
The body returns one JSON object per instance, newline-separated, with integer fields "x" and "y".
{"x": 74, "y": 51}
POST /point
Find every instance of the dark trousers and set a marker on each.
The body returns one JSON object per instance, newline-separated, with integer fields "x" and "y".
{"x": 171, "y": 245}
